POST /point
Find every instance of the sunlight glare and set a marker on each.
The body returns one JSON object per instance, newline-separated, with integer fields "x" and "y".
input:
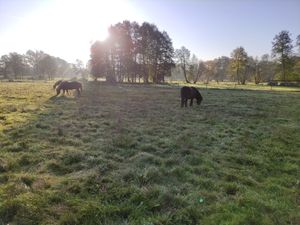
{"x": 71, "y": 26}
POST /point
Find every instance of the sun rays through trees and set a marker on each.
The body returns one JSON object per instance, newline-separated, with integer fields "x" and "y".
{"x": 133, "y": 53}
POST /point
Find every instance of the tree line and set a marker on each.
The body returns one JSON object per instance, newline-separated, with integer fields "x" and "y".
{"x": 142, "y": 53}
{"x": 283, "y": 64}
{"x": 133, "y": 53}
{"x": 38, "y": 65}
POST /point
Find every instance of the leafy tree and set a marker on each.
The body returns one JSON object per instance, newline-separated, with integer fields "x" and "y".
{"x": 296, "y": 69}
{"x": 99, "y": 60}
{"x": 79, "y": 69}
{"x": 148, "y": 50}
{"x": 163, "y": 59}
{"x": 120, "y": 49}
{"x": 222, "y": 66}
{"x": 282, "y": 47}
{"x": 252, "y": 70}
{"x": 194, "y": 70}
{"x": 33, "y": 59}
{"x": 267, "y": 68}
{"x": 133, "y": 51}
{"x": 17, "y": 64}
{"x": 202, "y": 69}
{"x": 298, "y": 42}
{"x": 48, "y": 66}
{"x": 5, "y": 66}
{"x": 210, "y": 70}
{"x": 238, "y": 64}
{"x": 183, "y": 58}
{"x": 63, "y": 68}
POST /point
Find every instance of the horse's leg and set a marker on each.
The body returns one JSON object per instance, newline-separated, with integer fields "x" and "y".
{"x": 78, "y": 92}
{"x": 185, "y": 102}
{"x": 182, "y": 102}
{"x": 191, "y": 103}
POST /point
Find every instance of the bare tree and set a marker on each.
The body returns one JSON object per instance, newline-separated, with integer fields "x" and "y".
{"x": 183, "y": 58}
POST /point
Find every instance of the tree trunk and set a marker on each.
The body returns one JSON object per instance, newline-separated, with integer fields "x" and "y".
{"x": 184, "y": 73}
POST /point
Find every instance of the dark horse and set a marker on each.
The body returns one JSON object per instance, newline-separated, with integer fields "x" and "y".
{"x": 69, "y": 85}
{"x": 58, "y": 83}
{"x": 190, "y": 93}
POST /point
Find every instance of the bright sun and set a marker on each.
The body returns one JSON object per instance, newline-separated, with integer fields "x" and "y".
{"x": 68, "y": 27}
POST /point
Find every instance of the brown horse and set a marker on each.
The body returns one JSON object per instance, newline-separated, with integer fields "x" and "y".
{"x": 69, "y": 85}
{"x": 58, "y": 83}
{"x": 190, "y": 93}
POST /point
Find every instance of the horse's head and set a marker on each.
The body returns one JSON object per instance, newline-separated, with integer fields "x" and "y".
{"x": 57, "y": 83}
{"x": 199, "y": 100}
{"x": 58, "y": 90}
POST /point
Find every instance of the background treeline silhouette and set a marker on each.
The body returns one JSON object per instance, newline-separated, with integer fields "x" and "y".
{"x": 282, "y": 64}
{"x": 38, "y": 65}
{"x": 133, "y": 53}
{"x": 142, "y": 53}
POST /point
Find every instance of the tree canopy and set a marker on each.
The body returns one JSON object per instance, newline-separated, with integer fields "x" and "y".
{"x": 282, "y": 48}
{"x": 133, "y": 53}
{"x": 37, "y": 65}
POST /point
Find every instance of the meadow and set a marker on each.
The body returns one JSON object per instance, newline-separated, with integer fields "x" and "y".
{"x": 128, "y": 154}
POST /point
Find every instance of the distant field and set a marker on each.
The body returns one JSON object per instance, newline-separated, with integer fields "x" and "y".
{"x": 128, "y": 154}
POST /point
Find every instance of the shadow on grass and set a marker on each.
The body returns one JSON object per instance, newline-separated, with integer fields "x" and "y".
{"x": 130, "y": 155}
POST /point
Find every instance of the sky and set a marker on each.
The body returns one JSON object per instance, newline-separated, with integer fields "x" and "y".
{"x": 208, "y": 28}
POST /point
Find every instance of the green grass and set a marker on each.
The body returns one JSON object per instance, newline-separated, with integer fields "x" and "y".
{"x": 130, "y": 155}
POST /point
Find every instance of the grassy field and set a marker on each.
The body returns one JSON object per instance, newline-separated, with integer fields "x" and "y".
{"x": 130, "y": 155}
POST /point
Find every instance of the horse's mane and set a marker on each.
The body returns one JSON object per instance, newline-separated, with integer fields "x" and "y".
{"x": 57, "y": 83}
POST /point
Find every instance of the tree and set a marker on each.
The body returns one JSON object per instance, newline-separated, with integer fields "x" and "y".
{"x": 238, "y": 64}
{"x": 48, "y": 66}
{"x": 16, "y": 62}
{"x": 33, "y": 59}
{"x": 252, "y": 70}
{"x": 193, "y": 69}
{"x": 222, "y": 66}
{"x": 149, "y": 50}
{"x": 132, "y": 50}
{"x": 5, "y": 66}
{"x": 210, "y": 70}
{"x": 282, "y": 47}
{"x": 79, "y": 69}
{"x": 183, "y": 58}
{"x": 63, "y": 68}
{"x": 267, "y": 68}
{"x": 296, "y": 69}
{"x": 164, "y": 54}
{"x": 298, "y": 42}
{"x": 99, "y": 60}
{"x": 202, "y": 69}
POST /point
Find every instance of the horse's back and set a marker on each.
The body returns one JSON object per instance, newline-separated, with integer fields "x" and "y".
{"x": 196, "y": 92}
{"x": 72, "y": 85}
{"x": 190, "y": 92}
{"x": 185, "y": 91}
